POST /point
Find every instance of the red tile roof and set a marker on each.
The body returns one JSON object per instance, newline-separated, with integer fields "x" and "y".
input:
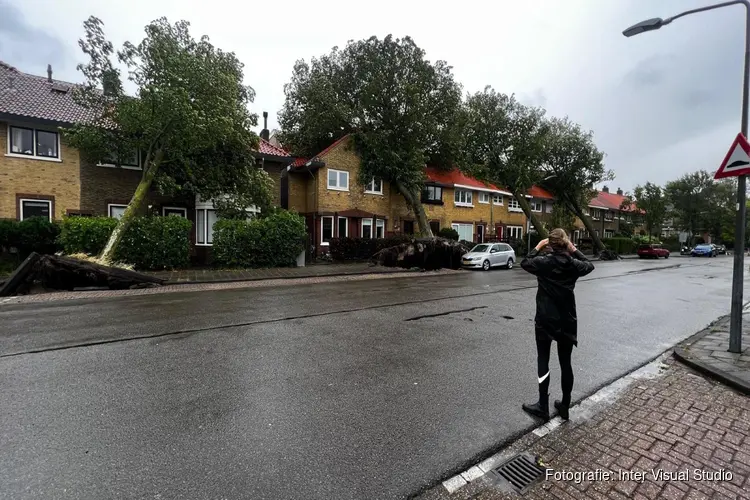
{"x": 34, "y": 96}
{"x": 609, "y": 201}
{"x": 456, "y": 178}
{"x": 538, "y": 192}
{"x": 267, "y": 148}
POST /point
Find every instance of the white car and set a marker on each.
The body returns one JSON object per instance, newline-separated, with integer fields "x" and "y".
{"x": 488, "y": 255}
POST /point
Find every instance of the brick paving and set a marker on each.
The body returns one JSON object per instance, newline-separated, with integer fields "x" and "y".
{"x": 56, "y": 296}
{"x": 708, "y": 351}
{"x": 676, "y": 421}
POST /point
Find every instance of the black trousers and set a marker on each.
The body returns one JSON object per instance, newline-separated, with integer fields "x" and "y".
{"x": 564, "y": 353}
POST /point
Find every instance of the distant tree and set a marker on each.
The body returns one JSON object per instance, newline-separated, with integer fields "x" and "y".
{"x": 561, "y": 217}
{"x": 689, "y": 201}
{"x": 503, "y": 142}
{"x": 400, "y": 109}
{"x": 188, "y": 121}
{"x": 650, "y": 199}
{"x": 573, "y": 165}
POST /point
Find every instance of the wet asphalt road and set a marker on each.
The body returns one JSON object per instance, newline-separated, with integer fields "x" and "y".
{"x": 371, "y": 389}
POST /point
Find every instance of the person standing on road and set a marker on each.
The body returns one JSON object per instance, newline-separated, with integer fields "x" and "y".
{"x": 557, "y": 270}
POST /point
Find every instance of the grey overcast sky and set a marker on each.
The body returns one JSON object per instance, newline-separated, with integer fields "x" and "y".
{"x": 660, "y": 104}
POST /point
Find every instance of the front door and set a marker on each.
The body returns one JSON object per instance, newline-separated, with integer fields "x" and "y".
{"x": 435, "y": 227}
{"x": 480, "y": 233}
{"x": 408, "y": 227}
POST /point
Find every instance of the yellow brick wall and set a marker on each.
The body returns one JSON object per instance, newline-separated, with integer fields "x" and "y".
{"x": 38, "y": 177}
{"x": 298, "y": 191}
{"x": 343, "y": 157}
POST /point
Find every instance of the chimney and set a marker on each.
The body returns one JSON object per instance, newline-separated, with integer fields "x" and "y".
{"x": 605, "y": 189}
{"x": 619, "y": 191}
{"x": 265, "y": 134}
{"x": 49, "y": 73}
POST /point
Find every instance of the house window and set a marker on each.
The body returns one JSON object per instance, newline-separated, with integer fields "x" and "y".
{"x": 408, "y": 227}
{"x": 116, "y": 211}
{"x": 375, "y": 186}
{"x": 175, "y": 211}
{"x": 435, "y": 227}
{"x": 513, "y": 205}
{"x": 536, "y": 206}
{"x": 367, "y": 228}
{"x": 129, "y": 160}
{"x": 205, "y": 218}
{"x": 608, "y": 215}
{"x": 465, "y": 231}
{"x": 343, "y": 231}
{"x": 338, "y": 180}
{"x": 515, "y": 232}
{"x": 463, "y": 198}
{"x": 595, "y": 214}
{"x": 484, "y": 197}
{"x": 586, "y": 211}
{"x": 609, "y": 233}
{"x": 549, "y": 207}
{"x": 326, "y": 230}
{"x": 497, "y": 199}
{"x": 41, "y": 144}
{"x": 36, "y": 208}
{"x": 432, "y": 194}
{"x": 380, "y": 228}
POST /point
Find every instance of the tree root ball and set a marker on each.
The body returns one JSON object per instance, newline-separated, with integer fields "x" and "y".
{"x": 424, "y": 253}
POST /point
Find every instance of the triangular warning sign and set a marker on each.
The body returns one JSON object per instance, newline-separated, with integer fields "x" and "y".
{"x": 737, "y": 161}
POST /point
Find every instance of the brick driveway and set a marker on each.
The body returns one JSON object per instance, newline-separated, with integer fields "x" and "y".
{"x": 679, "y": 420}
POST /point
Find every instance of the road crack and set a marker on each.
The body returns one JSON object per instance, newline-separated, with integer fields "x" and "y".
{"x": 446, "y": 313}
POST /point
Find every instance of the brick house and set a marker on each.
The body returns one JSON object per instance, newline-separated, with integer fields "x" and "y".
{"x": 608, "y": 215}
{"x": 41, "y": 176}
{"x": 326, "y": 190}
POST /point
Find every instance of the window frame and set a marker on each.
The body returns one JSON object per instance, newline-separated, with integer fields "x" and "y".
{"x": 34, "y": 155}
{"x": 322, "y": 229}
{"x": 122, "y": 165}
{"x": 457, "y": 227}
{"x": 487, "y": 195}
{"x": 205, "y": 211}
{"x": 510, "y": 230}
{"x": 549, "y": 207}
{"x": 362, "y": 228}
{"x": 346, "y": 226}
{"x": 533, "y": 203}
{"x": 468, "y": 198}
{"x": 115, "y": 205}
{"x": 370, "y": 188}
{"x": 609, "y": 216}
{"x": 379, "y": 224}
{"x": 22, "y": 200}
{"x": 513, "y": 205}
{"x": 338, "y": 173}
{"x": 181, "y": 209}
{"x": 497, "y": 196}
{"x": 425, "y": 194}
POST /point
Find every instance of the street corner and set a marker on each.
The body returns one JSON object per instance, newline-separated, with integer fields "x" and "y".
{"x": 672, "y": 434}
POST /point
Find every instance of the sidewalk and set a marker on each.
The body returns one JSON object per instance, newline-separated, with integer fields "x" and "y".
{"x": 674, "y": 421}
{"x": 310, "y": 271}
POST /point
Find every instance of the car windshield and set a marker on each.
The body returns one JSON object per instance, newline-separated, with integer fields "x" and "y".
{"x": 481, "y": 248}
{"x": 644, "y": 247}
{"x": 703, "y": 247}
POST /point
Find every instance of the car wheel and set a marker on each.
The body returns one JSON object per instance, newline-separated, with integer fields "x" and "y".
{"x": 510, "y": 264}
{"x": 486, "y": 265}
{"x": 666, "y": 256}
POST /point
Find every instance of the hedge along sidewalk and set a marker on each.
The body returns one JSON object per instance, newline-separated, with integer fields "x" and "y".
{"x": 196, "y": 287}
{"x": 192, "y": 276}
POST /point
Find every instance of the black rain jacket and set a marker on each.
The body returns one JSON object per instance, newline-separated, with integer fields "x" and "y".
{"x": 556, "y": 275}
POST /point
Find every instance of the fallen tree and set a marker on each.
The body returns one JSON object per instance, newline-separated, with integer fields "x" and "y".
{"x": 65, "y": 273}
{"x": 424, "y": 253}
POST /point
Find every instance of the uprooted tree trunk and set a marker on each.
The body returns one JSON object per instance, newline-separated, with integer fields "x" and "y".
{"x": 535, "y": 221}
{"x": 425, "y": 253}
{"x": 414, "y": 202}
{"x": 66, "y": 273}
{"x": 578, "y": 212}
{"x": 149, "y": 174}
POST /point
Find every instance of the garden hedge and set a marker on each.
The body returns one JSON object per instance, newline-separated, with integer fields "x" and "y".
{"x": 621, "y": 245}
{"x": 362, "y": 249}
{"x": 86, "y": 234}
{"x": 35, "y": 234}
{"x": 273, "y": 241}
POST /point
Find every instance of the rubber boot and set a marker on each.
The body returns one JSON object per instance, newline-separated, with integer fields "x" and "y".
{"x": 540, "y": 409}
{"x": 562, "y": 410}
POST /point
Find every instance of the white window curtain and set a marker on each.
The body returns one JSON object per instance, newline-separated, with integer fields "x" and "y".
{"x": 465, "y": 231}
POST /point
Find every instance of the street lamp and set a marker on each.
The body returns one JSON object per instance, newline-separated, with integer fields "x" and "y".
{"x": 735, "y": 329}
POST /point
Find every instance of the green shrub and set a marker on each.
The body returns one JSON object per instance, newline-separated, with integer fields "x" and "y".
{"x": 621, "y": 245}
{"x": 272, "y": 241}
{"x": 86, "y": 234}
{"x": 154, "y": 242}
{"x": 359, "y": 249}
{"x": 35, "y": 234}
{"x": 448, "y": 233}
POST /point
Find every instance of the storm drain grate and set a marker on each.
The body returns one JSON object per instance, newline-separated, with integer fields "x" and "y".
{"x": 520, "y": 472}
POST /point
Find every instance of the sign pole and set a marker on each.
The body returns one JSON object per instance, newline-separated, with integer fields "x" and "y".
{"x": 735, "y": 326}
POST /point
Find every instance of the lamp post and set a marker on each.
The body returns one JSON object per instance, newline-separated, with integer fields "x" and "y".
{"x": 735, "y": 329}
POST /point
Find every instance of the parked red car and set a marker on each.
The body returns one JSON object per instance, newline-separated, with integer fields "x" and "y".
{"x": 652, "y": 252}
